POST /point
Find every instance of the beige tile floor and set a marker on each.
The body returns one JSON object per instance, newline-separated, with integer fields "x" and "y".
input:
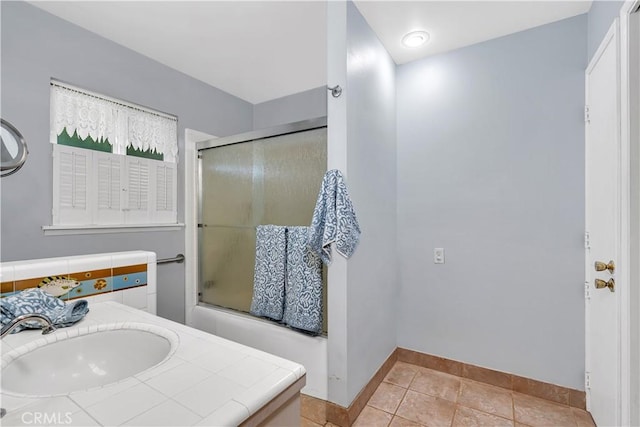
{"x": 414, "y": 396}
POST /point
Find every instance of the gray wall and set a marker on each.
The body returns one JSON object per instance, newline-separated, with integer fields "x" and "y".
{"x": 371, "y": 172}
{"x": 600, "y": 17}
{"x": 37, "y": 46}
{"x": 491, "y": 168}
{"x": 337, "y": 301}
{"x": 300, "y": 106}
{"x": 361, "y": 142}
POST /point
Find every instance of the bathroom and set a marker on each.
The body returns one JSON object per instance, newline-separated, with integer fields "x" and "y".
{"x": 478, "y": 150}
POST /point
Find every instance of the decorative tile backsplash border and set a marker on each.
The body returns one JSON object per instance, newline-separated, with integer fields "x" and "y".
{"x": 126, "y": 277}
{"x": 82, "y": 284}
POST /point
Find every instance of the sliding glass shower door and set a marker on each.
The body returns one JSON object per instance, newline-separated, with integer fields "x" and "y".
{"x": 272, "y": 180}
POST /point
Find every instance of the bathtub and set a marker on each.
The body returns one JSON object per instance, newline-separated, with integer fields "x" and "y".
{"x": 311, "y": 352}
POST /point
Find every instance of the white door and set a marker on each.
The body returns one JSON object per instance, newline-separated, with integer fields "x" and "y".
{"x": 603, "y": 227}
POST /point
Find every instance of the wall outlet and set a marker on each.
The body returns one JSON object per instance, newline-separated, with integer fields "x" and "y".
{"x": 438, "y": 255}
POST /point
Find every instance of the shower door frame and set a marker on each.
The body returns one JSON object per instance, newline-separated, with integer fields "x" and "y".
{"x": 280, "y": 130}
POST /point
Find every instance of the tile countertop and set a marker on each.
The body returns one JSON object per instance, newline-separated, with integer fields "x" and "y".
{"x": 207, "y": 381}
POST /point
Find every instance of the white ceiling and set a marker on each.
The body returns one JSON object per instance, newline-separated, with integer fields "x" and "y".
{"x": 262, "y": 50}
{"x": 454, "y": 24}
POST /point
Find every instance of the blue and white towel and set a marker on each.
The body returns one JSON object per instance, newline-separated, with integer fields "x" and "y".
{"x": 334, "y": 219}
{"x": 37, "y": 301}
{"x": 303, "y": 294}
{"x": 269, "y": 274}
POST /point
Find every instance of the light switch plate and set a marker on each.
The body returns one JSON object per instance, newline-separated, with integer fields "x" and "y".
{"x": 438, "y": 255}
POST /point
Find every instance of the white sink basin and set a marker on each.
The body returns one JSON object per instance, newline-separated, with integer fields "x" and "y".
{"x": 73, "y": 361}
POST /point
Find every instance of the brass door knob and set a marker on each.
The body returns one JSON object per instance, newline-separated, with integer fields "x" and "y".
{"x": 601, "y": 266}
{"x": 611, "y": 284}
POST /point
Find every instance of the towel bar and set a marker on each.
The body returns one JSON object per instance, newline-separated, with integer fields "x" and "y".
{"x": 178, "y": 258}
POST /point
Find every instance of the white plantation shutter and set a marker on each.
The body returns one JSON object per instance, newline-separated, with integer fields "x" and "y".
{"x": 161, "y": 188}
{"x": 71, "y": 184}
{"x": 137, "y": 190}
{"x": 109, "y": 169}
{"x": 96, "y": 188}
{"x": 166, "y": 188}
{"x": 138, "y": 185}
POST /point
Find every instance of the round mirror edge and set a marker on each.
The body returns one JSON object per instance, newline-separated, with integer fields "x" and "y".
{"x": 8, "y": 168}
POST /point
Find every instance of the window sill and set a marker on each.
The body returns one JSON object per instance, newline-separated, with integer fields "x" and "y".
{"x": 61, "y": 230}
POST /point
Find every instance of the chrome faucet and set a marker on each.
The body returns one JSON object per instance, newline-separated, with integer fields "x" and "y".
{"x": 47, "y": 324}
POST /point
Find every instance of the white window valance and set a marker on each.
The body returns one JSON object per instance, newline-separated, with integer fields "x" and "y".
{"x": 101, "y": 117}
{"x": 87, "y": 115}
{"x": 149, "y": 132}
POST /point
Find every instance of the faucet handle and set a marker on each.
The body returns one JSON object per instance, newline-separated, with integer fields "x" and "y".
{"x": 47, "y": 329}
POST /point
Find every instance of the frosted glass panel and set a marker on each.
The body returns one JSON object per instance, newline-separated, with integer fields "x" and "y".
{"x": 227, "y": 177}
{"x": 268, "y": 181}
{"x": 293, "y": 169}
{"x": 227, "y": 260}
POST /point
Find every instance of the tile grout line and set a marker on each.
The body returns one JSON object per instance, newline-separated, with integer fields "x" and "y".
{"x": 455, "y": 411}
{"x": 484, "y": 412}
{"x": 393, "y": 414}
{"x": 400, "y": 403}
{"x": 404, "y": 394}
{"x": 513, "y": 407}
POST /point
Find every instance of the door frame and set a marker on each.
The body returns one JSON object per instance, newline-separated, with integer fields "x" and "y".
{"x": 191, "y": 203}
{"x": 628, "y": 269}
{"x": 629, "y": 167}
{"x": 612, "y": 36}
{"x": 628, "y": 264}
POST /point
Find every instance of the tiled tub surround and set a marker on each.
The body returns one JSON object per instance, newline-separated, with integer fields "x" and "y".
{"x": 125, "y": 277}
{"x": 206, "y": 380}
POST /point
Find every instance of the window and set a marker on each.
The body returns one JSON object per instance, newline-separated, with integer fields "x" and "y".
{"x": 114, "y": 163}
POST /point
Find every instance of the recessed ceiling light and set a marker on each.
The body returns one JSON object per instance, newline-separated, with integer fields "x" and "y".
{"x": 415, "y": 38}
